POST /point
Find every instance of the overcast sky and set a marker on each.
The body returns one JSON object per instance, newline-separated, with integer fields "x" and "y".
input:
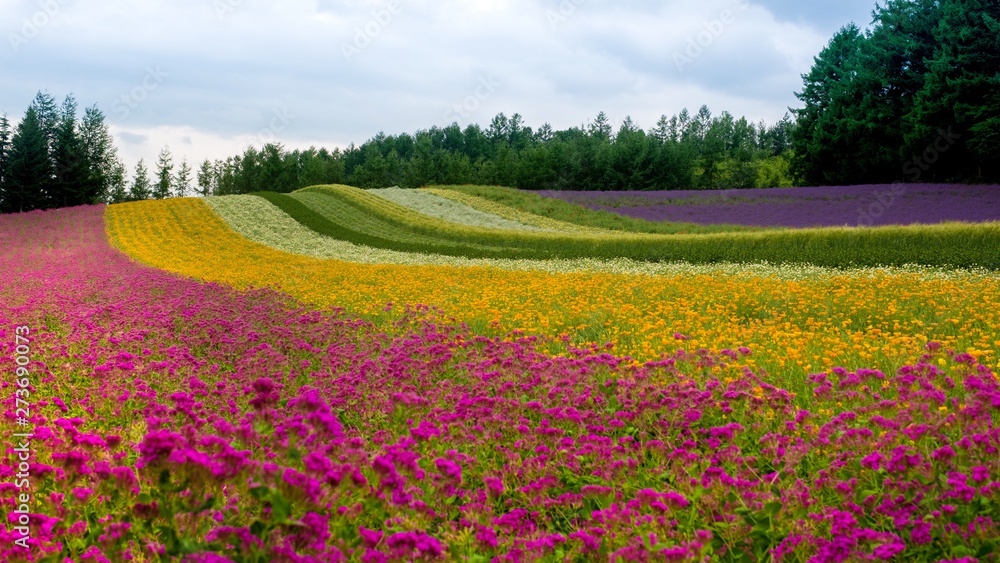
{"x": 209, "y": 77}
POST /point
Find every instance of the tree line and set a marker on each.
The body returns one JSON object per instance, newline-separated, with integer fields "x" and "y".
{"x": 914, "y": 98}
{"x": 683, "y": 151}
{"x": 56, "y": 157}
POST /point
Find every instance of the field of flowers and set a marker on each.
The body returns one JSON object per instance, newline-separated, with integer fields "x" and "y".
{"x": 214, "y": 380}
{"x": 825, "y": 206}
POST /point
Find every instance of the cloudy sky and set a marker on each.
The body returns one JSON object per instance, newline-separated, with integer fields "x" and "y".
{"x": 209, "y": 77}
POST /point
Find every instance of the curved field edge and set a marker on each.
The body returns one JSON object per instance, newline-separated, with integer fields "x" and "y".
{"x": 947, "y": 245}
{"x": 512, "y": 213}
{"x": 875, "y": 319}
{"x": 449, "y": 210}
{"x": 557, "y": 209}
{"x": 259, "y": 220}
{"x": 323, "y": 215}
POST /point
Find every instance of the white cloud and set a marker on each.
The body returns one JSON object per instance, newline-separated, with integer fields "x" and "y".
{"x": 226, "y": 67}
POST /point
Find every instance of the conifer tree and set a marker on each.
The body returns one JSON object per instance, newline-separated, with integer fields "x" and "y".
{"x": 182, "y": 181}
{"x": 140, "y": 188}
{"x": 30, "y": 169}
{"x": 164, "y": 179}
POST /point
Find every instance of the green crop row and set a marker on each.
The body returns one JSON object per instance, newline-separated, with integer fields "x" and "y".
{"x": 949, "y": 245}
{"x": 344, "y": 226}
{"x": 512, "y": 213}
{"x": 559, "y": 210}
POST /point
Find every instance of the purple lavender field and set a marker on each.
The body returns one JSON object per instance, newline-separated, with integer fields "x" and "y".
{"x": 895, "y": 204}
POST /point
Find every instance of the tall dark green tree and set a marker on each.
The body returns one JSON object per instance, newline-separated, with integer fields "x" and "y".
{"x": 953, "y": 129}
{"x": 140, "y": 188}
{"x": 5, "y": 138}
{"x": 48, "y": 117}
{"x": 164, "y": 176}
{"x": 206, "y": 179}
{"x": 890, "y": 71}
{"x": 101, "y": 155}
{"x": 30, "y": 169}
{"x": 118, "y": 190}
{"x": 74, "y": 179}
{"x": 600, "y": 128}
{"x": 821, "y": 138}
{"x": 182, "y": 180}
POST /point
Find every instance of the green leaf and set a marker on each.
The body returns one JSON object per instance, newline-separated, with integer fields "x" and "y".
{"x": 209, "y": 503}
{"x": 961, "y": 551}
{"x": 772, "y": 508}
{"x": 259, "y": 493}
{"x": 259, "y": 529}
{"x": 280, "y": 507}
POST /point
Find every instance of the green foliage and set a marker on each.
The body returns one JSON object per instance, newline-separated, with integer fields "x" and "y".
{"x": 140, "y": 188}
{"x": 948, "y": 245}
{"x": 579, "y": 215}
{"x": 878, "y": 104}
{"x": 337, "y": 217}
{"x": 164, "y": 178}
{"x": 678, "y": 153}
{"x": 30, "y": 170}
{"x": 54, "y": 159}
{"x": 182, "y": 180}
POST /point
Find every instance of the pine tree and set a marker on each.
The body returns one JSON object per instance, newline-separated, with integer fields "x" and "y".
{"x": 48, "y": 118}
{"x": 117, "y": 193}
{"x": 73, "y": 177}
{"x": 206, "y": 179}
{"x": 30, "y": 170}
{"x": 101, "y": 155}
{"x": 601, "y": 127}
{"x": 140, "y": 189}
{"x": 5, "y": 137}
{"x": 182, "y": 181}
{"x": 958, "y": 106}
{"x": 818, "y": 140}
{"x": 164, "y": 165}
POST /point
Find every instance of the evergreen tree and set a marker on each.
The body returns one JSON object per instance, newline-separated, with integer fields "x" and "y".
{"x": 164, "y": 179}
{"x": 30, "y": 168}
{"x": 958, "y": 106}
{"x": 73, "y": 178}
{"x": 117, "y": 193}
{"x": 499, "y": 129}
{"x": 182, "y": 181}
{"x": 5, "y": 138}
{"x": 601, "y": 127}
{"x": 818, "y": 141}
{"x": 141, "y": 188}
{"x": 101, "y": 156}
{"x": 48, "y": 118}
{"x": 206, "y": 179}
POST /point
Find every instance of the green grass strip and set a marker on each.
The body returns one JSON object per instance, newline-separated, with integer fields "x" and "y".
{"x": 317, "y": 222}
{"x": 946, "y": 245}
{"x": 560, "y": 210}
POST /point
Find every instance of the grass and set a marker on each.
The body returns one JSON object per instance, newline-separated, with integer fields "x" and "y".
{"x": 577, "y": 214}
{"x": 322, "y": 214}
{"x": 960, "y": 245}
